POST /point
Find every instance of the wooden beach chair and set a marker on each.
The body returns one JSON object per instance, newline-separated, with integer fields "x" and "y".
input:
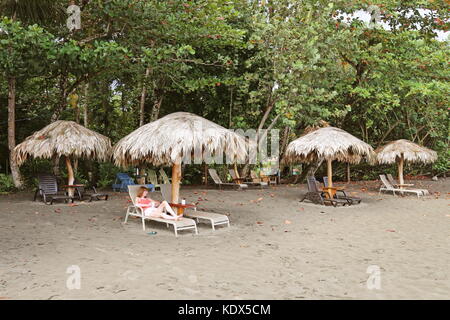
{"x": 91, "y": 193}
{"x": 153, "y": 178}
{"x": 165, "y": 178}
{"x": 237, "y": 179}
{"x": 219, "y": 183}
{"x": 320, "y": 197}
{"x": 391, "y": 179}
{"x": 254, "y": 176}
{"x": 271, "y": 175}
{"x": 388, "y": 187}
{"x": 215, "y": 219}
{"x": 48, "y": 190}
{"x": 340, "y": 193}
{"x": 133, "y": 210}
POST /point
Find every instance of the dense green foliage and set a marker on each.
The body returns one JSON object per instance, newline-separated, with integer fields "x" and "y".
{"x": 242, "y": 64}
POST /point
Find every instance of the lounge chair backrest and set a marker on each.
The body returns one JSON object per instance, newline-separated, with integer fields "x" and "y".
{"x": 48, "y": 183}
{"x": 133, "y": 191}
{"x": 386, "y": 183}
{"x": 152, "y": 177}
{"x": 233, "y": 174}
{"x": 391, "y": 178}
{"x": 325, "y": 181}
{"x": 164, "y": 176}
{"x": 166, "y": 191}
{"x": 214, "y": 176}
{"x": 312, "y": 185}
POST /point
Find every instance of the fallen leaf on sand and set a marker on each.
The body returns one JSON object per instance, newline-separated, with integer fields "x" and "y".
{"x": 287, "y": 222}
{"x": 390, "y": 230}
{"x": 301, "y": 209}
{"x": 58, "y": 210}
{"x": 272, "y": 195}
{"x": 259, "y": 222}
{"x": 72, "y": 205}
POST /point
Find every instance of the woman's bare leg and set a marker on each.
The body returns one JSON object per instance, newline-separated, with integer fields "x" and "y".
{"x": 158, "y": 212}
{"x": 166, "y": 206}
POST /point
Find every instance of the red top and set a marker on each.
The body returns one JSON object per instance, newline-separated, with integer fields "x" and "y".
{"x": 145, "y": 201}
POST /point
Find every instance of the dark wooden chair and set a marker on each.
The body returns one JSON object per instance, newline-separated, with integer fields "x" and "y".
{"x": 340, "y": 194}
{"x": 48, "y": 190}
{"x": 90, "y": 193}
{"x": 319, "y": 197}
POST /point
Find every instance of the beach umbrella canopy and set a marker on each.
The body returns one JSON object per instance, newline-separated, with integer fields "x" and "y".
{"x": 64, "y": 138}
{"x": 404, "y": 150}
{"x": 328, "y": 144}
{"x": 170, "y": 139}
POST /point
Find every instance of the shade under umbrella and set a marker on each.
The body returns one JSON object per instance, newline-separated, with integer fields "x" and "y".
{"x": 328, "y": 144}
{"x": 64, "y": 138}
{"x": 404, "y": 150}
{"x": 177, "y": 136}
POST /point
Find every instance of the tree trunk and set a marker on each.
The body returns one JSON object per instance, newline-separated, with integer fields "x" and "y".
{"x": 176, "y": 177}
{"x": 270, "y": 104}
{"x": 62, "y": 98}
{"x": 17, "y": 178}
{"x": 205, "y": 174}
{"x": 143, "y": 96}
{"x": 348, "y": 173}
{"x": 310, "y": 170}
{"x": 156, "y": 108}
{"x": 74, "y": 103}
{"x": 86, "y": 100}
{"x": 55, "y": 165}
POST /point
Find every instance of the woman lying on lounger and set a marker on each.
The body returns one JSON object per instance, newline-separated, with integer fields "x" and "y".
{"x": 153, "y": 208}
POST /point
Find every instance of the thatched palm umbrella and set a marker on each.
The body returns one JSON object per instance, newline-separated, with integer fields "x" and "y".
{"x": 64, "y": 138}
{"x": 328, "y": 144}
{"x": 404, "y": 150}
{"x": 170, "y": 139}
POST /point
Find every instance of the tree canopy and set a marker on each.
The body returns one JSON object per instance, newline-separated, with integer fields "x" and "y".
{"x": 242, "y": 64}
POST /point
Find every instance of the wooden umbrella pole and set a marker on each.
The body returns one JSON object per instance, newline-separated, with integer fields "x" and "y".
{"x": 330, "y": 172}
{"x": 70, "y": 176}
{"x": 400, "y": 170}
{"x": 236, "y": 172}
{"x": 176, "y": 177}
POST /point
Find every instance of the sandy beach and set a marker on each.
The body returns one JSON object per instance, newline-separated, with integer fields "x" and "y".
{"x": 276, "y": 247}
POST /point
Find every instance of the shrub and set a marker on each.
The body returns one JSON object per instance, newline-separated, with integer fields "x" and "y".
{"x": 6, "y": 183}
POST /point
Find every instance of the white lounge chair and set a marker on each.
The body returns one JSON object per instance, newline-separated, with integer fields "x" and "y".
{"x": 218, "y": 181}
{"x": 178, "y": 225}
{"x": 215, "y": 219}
{"x": 236, "y": 178}
{"x": 394, "y": 183}
{"x": 389, "y": 187}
